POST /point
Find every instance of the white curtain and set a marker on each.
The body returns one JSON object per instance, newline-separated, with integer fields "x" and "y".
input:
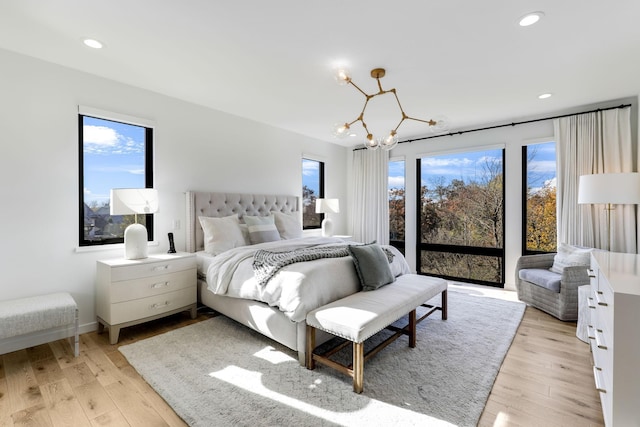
{"x": 370, "y": 199}
{"x": 593, "y": 143}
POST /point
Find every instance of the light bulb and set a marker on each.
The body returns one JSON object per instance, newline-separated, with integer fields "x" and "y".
{"x": 370, "y": 142}
{"x": 442, "y": 124}
{"x": 342, "y": 76}
{"x": 341, "y": 130}
{"x": 390, "y": 141}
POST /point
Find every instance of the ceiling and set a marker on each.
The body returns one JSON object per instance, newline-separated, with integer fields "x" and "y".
{"x": 273, "y": 61}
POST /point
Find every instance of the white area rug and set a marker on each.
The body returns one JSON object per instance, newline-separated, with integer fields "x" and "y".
{"x": 220, "y": 373}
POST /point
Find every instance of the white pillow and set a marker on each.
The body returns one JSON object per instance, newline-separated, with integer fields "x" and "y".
{"x": 568, "y": 256}
{"x": 221, "y": 234}
{"x": 288, "y": 225}
{"x": 261, "y": 229}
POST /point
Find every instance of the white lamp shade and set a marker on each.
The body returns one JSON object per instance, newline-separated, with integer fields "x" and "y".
{"x": 127, "y": 201}
{"x": 609, "y": 188}
{"x": 327, "y": 206}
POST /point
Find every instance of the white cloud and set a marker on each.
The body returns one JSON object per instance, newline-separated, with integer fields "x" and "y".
{"x": 105, "y": 140}
{"x": 396, "y": 181}
{"x": 541, "y": 166}
{"x": 100, "y": 135}
{"x": 310, "y": 167}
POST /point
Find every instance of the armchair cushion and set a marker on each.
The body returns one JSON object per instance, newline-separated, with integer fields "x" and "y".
{"x": 568, "y": 256}
{"x": 545, "y": 278}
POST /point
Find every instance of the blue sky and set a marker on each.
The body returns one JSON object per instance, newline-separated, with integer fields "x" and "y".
{"x": 469, "y": 165}
{"x": 311, "y": 175}
{"x": 113, "y": 158}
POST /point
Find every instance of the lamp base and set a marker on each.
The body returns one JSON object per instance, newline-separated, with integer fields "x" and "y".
{"x": 327, "y": 228}
{"x": 135, "y": 242}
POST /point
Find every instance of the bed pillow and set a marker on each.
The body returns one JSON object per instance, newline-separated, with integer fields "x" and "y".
{"x": 372, "y": 265}
{"x": 288, "y": 225}
{"x": 221, "y": 234}
{"x": 568, "y": 256}
{"x": 261, "y": 229}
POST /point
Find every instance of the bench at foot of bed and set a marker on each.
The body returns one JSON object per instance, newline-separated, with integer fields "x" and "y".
{"x": 361, "y": 315}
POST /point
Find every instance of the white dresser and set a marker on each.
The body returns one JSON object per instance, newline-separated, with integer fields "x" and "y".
{"x": 132, "y": 291}
{"x": 614, "y": 333}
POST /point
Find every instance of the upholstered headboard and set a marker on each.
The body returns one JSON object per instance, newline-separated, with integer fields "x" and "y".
{"x": 225, "y": 204}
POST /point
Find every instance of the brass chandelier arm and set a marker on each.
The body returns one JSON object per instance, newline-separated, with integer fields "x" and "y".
{"x": 430, "y": 122}
{"x": 366, "y": 95}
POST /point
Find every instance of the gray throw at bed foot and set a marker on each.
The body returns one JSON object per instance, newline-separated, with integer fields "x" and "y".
{"x": 220, "y": 373}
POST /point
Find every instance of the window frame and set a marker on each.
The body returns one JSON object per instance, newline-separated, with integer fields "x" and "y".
{"x": 149, "y": 129}
{"x": 321, "y": 187}
{"x": 525, "y": 250}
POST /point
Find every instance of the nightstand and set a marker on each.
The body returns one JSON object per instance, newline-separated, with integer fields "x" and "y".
{"x": 133, "y": 291}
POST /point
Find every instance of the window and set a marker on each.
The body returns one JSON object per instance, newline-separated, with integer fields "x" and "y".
{"x": 312, "y": 189}
{"x": 396, "y": 188}
{"x": 461, "y": 216}
{"x": 113, "y": 154}
{"x": 539, "y": 233}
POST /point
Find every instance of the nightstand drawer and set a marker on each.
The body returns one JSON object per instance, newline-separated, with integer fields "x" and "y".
{"x": 149, "y": 286}
{"x": 139, "y": 309}
{"x": 134, "y": 270}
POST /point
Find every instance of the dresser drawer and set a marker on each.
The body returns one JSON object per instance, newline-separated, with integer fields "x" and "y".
{"x": 140, "y": 308}
{"x": 149, "y": 286}
{"x": 150, "y": 269}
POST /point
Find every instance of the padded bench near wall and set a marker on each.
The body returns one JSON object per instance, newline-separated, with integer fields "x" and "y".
{"x": 39, "y": 313}
{"x": 359, "y": 316}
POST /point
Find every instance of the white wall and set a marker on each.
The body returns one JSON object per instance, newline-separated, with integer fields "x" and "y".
{"x": 195, "y": 149}
{"x": 512, "y": 138}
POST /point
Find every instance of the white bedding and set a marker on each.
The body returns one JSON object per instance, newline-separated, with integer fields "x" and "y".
{"x": 297, "y": 288}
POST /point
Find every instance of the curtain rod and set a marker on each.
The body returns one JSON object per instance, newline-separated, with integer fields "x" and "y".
{"x": 508, "y": 124}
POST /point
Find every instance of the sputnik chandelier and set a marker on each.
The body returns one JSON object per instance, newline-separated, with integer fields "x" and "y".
{"x": 341, "y": 130}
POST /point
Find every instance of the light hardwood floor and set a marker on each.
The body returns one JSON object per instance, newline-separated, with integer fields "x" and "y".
{"x": 545, "y": 380}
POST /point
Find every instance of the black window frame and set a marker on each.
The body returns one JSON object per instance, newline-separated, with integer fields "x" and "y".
{"x": 320, "y": 196}
{"x": 466, "y": 250}
{"x": 148, "y": 165}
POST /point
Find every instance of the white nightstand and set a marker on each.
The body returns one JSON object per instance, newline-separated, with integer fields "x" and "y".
{"x": 132, "y": 291}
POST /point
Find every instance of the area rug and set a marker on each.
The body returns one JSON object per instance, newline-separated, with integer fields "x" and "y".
{"x": 220, "y": 373}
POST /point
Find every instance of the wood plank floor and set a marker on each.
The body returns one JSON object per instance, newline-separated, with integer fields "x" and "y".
{"x": 545, "y": 380}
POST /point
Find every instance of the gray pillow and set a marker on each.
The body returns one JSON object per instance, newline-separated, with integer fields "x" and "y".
{"x": 261, "y": 229}
{"x": 372, "y": 265}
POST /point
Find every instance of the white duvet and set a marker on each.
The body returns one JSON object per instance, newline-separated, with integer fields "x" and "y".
{"x": 297, "y": 288}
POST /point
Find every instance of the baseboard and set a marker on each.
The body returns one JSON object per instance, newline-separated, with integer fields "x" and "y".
{"x": 20, "y": 342}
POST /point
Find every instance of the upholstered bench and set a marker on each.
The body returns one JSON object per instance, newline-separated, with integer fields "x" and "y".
{"x": 359, "y": 316}
{"x": 33, "y": 314}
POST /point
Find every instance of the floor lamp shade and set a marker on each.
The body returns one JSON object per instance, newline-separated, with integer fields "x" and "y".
{"x": 609, "y": 188}
{"x": 127, "y": 201}
{"x": 327, "y": 206}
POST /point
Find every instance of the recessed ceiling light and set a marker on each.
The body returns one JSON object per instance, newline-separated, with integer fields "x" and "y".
{"x": 544, "y": 96}
{"x": 530, "y": 18}
{"x": 93, "y": 43}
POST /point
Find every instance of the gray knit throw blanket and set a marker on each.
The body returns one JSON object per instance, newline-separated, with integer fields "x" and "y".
{"x": 267, "y": 263}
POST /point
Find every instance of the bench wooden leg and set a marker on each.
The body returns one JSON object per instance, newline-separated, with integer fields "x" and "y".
{"x": 444, "y": 305}
{"x": 311, "y": 345}
{"x": 358, "y": 367}
{"x": 412, "y": 328}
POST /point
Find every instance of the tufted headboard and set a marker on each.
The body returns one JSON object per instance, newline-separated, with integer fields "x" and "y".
{"x": 224, "y": 204}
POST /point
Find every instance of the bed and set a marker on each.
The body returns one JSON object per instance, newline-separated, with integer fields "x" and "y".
{"x": 226, "y": 280}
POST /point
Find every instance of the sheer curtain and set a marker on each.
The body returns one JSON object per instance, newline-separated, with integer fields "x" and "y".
{"x": 370, "y": 199}
{"x": 594, "y": 143}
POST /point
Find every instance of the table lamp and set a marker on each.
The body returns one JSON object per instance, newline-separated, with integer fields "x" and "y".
{"x": 327, "y": 206}
{"x": 127, "y": 201}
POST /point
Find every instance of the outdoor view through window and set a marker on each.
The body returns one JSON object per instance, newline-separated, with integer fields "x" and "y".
{"x": 461, "y": 221}
{"x": 540, "y": 203}
{"x": 114, "y": 155}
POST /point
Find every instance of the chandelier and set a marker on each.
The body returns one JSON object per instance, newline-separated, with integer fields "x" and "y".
{"x": 341, "y": 130}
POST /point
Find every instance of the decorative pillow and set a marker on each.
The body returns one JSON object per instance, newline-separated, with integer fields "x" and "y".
{"x": 568, "y": 256}
{"x": 221, "y": 234}
{"x": 288, "y": 225}
{"x": 372, "y": 265}
{"x": 261, "y": 229}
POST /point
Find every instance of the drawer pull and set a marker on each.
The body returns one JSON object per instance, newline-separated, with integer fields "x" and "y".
{"x": 597, "y": 375}
{"x": 160, "y": 305}
{"x": 590, "y": 303}
{"x": 600, "y": 339}
{"x": 159, "y": 285}
{"x": 591, "y": 332}
{"x": 591, "y": 273}
{"x": 161, "y": 267}
{"x": 600, "y": 299}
